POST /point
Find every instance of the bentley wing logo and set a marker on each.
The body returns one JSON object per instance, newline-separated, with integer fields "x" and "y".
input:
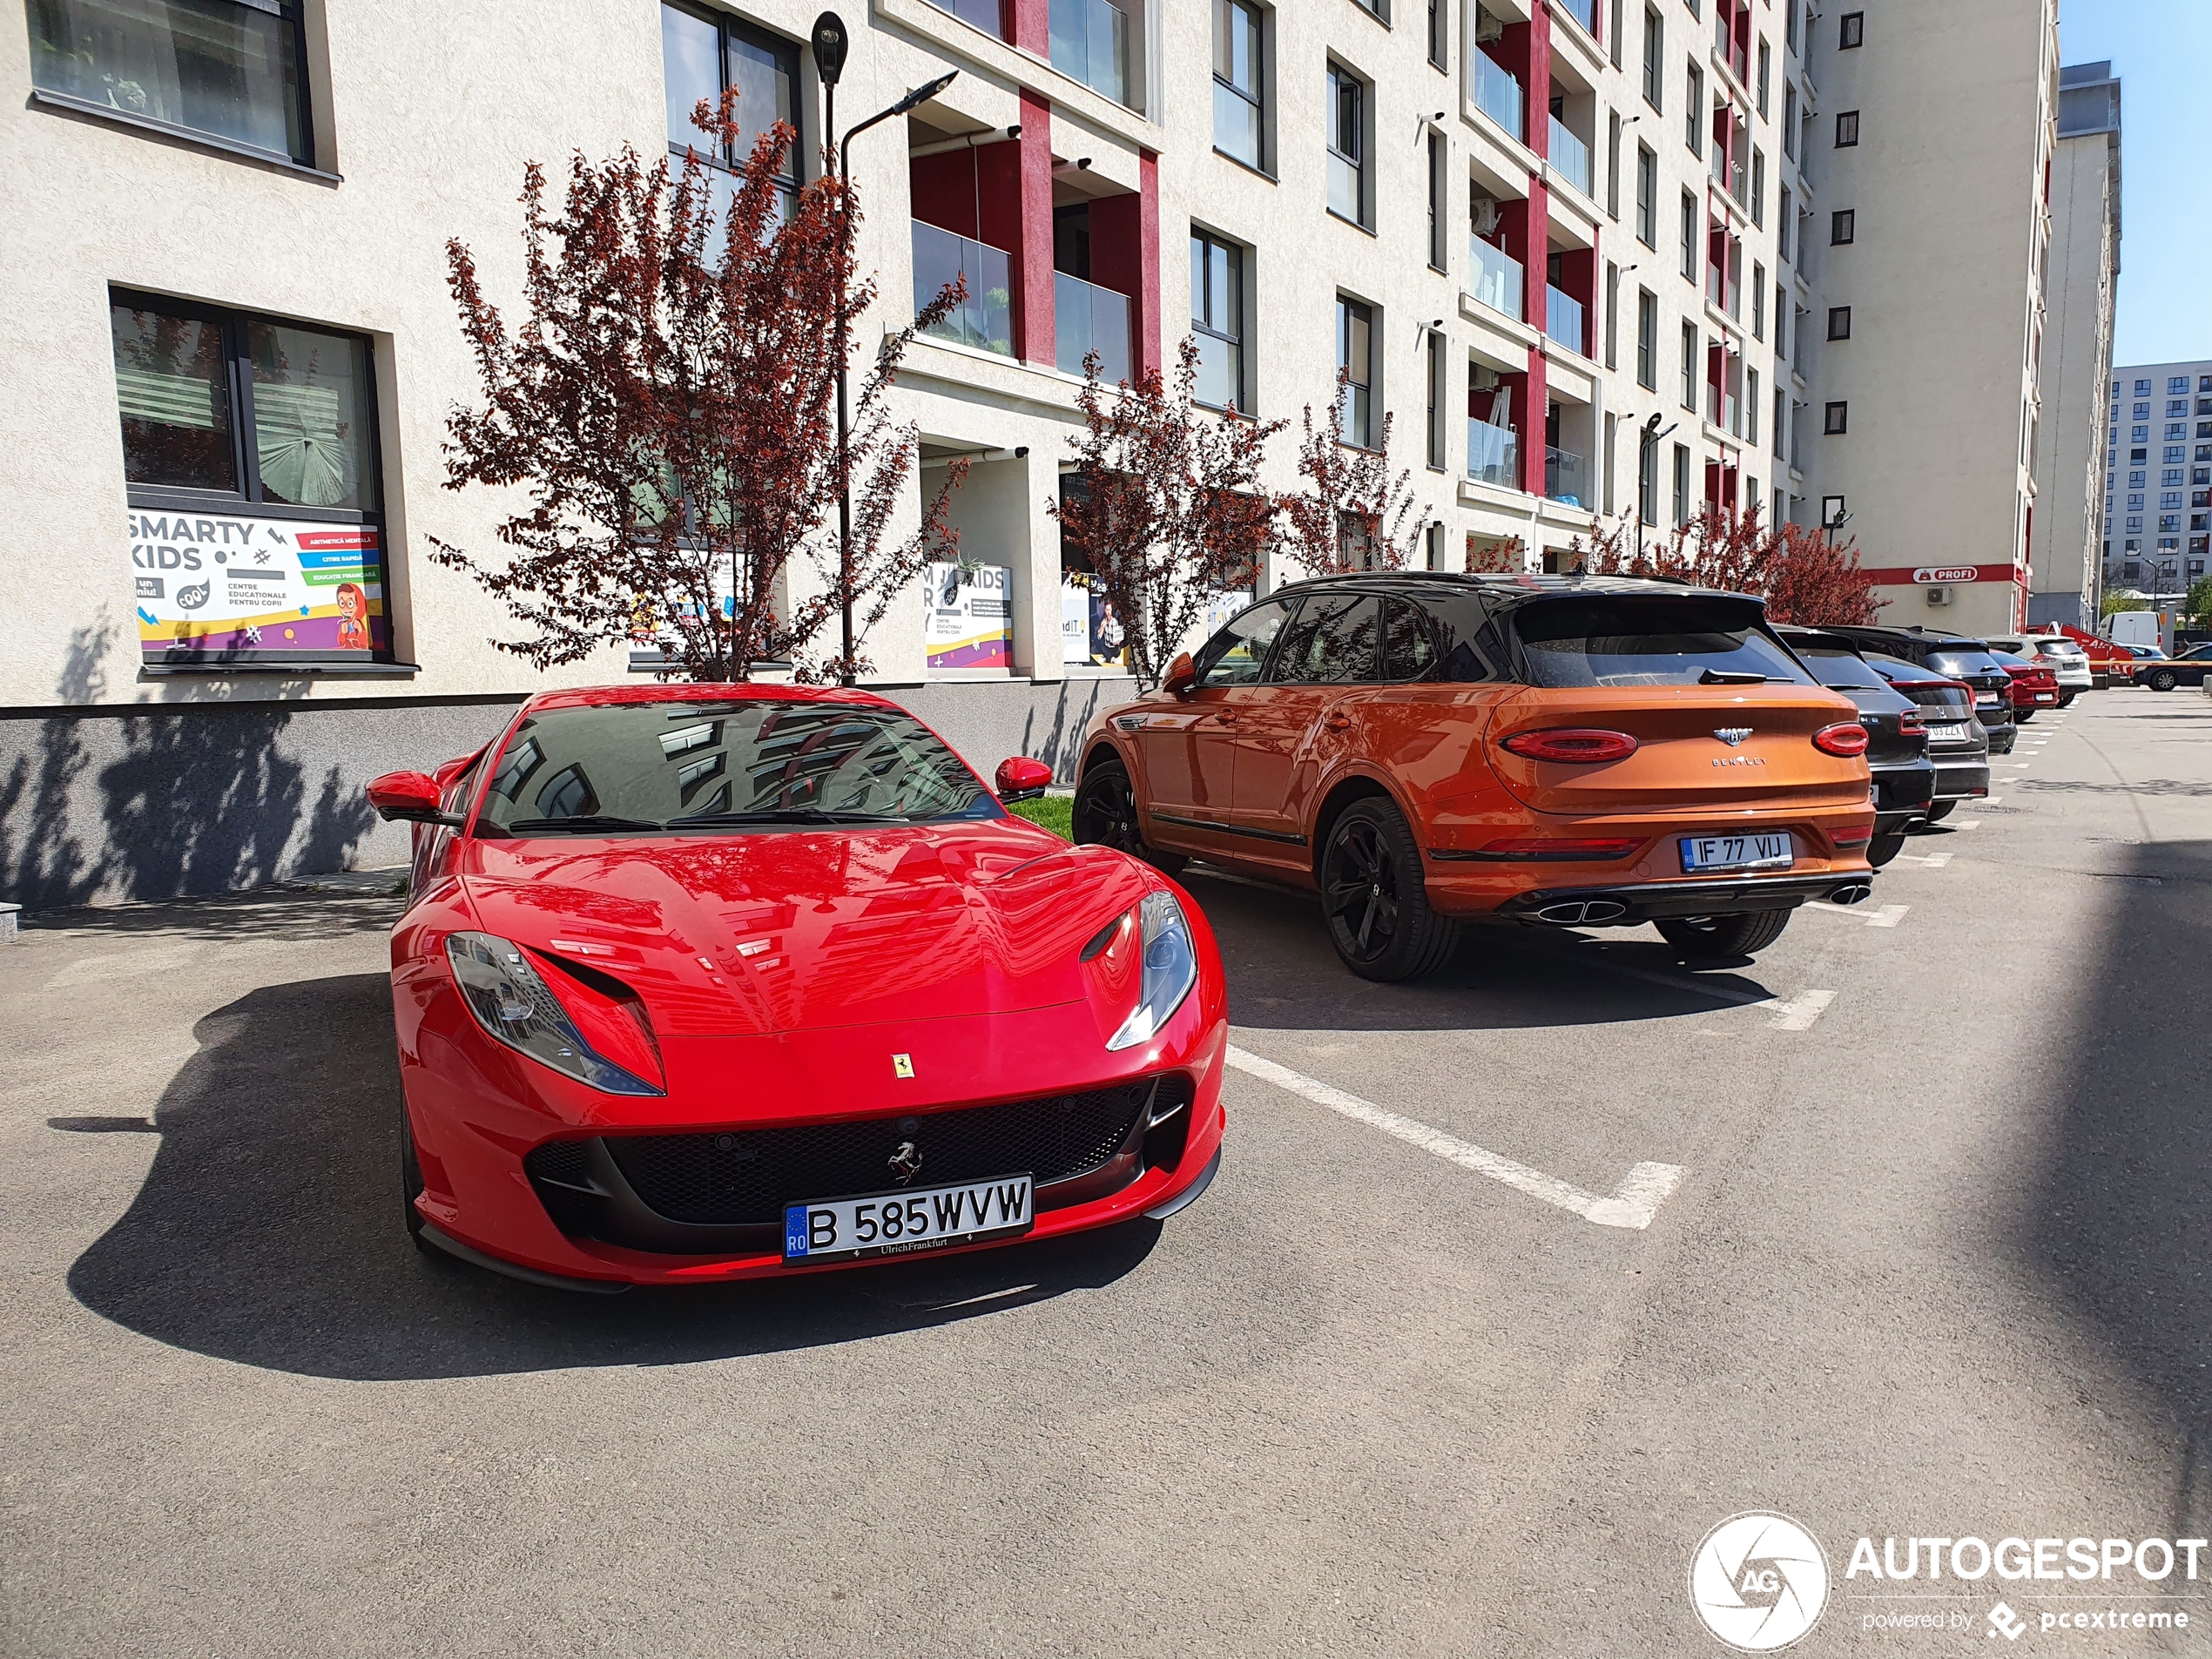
{"x": 1732, "y": 735}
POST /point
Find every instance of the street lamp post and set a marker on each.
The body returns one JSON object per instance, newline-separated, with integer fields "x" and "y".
{"x": 830, "y": 41}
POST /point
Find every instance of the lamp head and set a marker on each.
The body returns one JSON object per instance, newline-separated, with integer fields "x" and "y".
{"x": 830, "y": 42}
{"x": 926, "y": 90}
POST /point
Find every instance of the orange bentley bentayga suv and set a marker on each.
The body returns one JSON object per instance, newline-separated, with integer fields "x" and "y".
{"x": 1431, "y": 749}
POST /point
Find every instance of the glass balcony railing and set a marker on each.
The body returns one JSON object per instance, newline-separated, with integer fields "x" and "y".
{"x": 1566, "y": 476}
{"x": 1563, "y": 319}
{"x": 1496, "y": 93}
{"x": 1494, "y": 454}
{"x": 1570, "y": 157}
{"x": 984, "y": 14}
{"x": 1087, "y": 318}
{"x": 1584, "y": 12}
{"x": 1720, "y": 163}
{"x": 1089, "y": 41}
{"x": 1494, "y": 277}
{"x": 985, "y": 319}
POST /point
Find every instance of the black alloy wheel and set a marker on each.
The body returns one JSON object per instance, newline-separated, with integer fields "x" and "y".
{"x": 1375, "y": 899}
{"x": 1105, "y": 815}
{"x": 1740, "y": 934}
{"x": 2162, "y": 679}
{"x": 1883, "y": 848}
{"x": 2021, "y": 717}
{"x": 2066, "y": 699}
{"x": 1938, "y": 810}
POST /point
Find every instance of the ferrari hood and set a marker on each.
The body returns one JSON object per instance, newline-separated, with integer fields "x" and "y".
{"x": 803, "y": 930}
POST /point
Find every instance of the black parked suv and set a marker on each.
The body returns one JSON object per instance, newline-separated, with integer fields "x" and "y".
{"x": 1957, "y": 743}
{"x": 1954, "y": 656}
{"x": 1897, "y": 738}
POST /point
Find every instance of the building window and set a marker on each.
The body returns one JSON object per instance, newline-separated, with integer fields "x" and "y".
{"x": 227, "y": 71}
{"x": 1612, "y": 315}
{"x": 1781, "y": 416}
{"x": 1852, "y": 31}
{"x": 1217, "y": 320}
{"x": 2176, "y": 383}
{"x": 2177, "y": 429}
{"x": 1758, "y": 188}
{"x": 1682, "y": 484}
{"x": 701, "y": 55}
{"x": 2134, "y": 522}
{"x": 1751, "y": 415}
{"x": 1690, "y": 365}
{"x": 1689, "y": 236}
{"x": 1846, "y": 128}
{"x": 1648, "y": 339}
{"x": 1655, "y": 47}
{"x": 1439, "y": 219}
{"x": 1436, "y": 401}
{"x": 1839, "y": 322}
{"x": 1356, "y": 362}
{"x": 1239, "y": 126}
{"x": 2139, "y": 434}
{"x": 1790, "y": 122}
{"x": 1837, "y": 419}
{"x": 1766, "y": 68}
{"x": 1613, "y": 165}
{"x": 1647, "y": 478}
{"x": 1783, "y": 221}
{"x": 1647, "y": 196}
{"x": 250, "y": 418}
{"x": 1347, "y": 145}
{"x": 1759, "y": 301}
{"x": 1843, "y": 226}
{"x": 1694, "y": 111}
{"x": 2142, "y": 389}
{"x": 1439, "y": 32}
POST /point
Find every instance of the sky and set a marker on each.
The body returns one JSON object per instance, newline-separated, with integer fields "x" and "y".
{"x": 2161, "y": 49}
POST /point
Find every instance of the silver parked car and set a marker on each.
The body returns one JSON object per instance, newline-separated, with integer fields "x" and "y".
{"x": 2057, "y": 653}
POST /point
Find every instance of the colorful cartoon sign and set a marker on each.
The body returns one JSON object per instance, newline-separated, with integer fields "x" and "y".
{"x": 231, "y": 588}
{"x": 971, "y": 616}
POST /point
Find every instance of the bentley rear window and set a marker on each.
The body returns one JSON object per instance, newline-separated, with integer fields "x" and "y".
{"x": 1629, "y": 640}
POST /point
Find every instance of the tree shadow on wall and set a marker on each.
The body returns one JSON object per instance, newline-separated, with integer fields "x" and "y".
{"x": 189, "y": 801}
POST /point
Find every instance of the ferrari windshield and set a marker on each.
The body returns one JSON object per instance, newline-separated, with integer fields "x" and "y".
{"x": 714, "y": 767}
{"x": 1656, "y": 640}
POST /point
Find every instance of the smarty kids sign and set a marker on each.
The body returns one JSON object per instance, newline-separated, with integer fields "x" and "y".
{"x": 231, "y": 589}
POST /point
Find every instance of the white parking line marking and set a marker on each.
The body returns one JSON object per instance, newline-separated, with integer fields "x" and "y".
{"x": 1967, "y": 823}
{"x": 1888, "y": 916}
{"x": 1992, "y": 800}
{"x": 1798, "y": 1013}
{"x": 1633, "y": 1202}
{"x": 1933, "y": 860}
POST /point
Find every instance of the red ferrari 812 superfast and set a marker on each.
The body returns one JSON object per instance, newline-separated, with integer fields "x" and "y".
{"x": 712, "y": 981}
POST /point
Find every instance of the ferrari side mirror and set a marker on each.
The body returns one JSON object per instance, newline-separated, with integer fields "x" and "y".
{"x": 409, "y": 798}
{"x": 1021, "y": 778}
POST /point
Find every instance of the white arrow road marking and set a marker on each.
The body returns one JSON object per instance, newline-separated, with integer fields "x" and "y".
{"x": 1888, "y": 916}
{"x": 1933, "y": 860}
{"x": 1798, "y": 1013}
{"x": 1632, "y": 1205}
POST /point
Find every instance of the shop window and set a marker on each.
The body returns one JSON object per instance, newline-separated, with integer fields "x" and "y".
{"x": 249, "y": 451}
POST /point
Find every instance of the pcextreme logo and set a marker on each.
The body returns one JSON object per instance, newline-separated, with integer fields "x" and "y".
{"x": 1759, "y": 1582}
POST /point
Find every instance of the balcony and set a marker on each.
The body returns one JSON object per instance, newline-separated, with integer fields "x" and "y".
{"x": 985, "y": 319}
{"x": 1090, "y": 41}
{"x": 1570, "y": 157}
{"x": 1566, "y": 476}
{"x": 984, "y": 14}
{"x": 1494, "y": 277}
{"x": 1720, "y": 165}
{"x": 1563, "y": 319}
{"x": 1087, "y": 318}
{"x": 1497, "y": 94}
{"x": 1494, "y": 454}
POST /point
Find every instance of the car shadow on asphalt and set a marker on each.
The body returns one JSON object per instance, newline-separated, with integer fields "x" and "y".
{"x": 288, "y": 914}
{"x": 2118, "y": 1217}
{"x": 268, "y": 1231}
{"x": 1284, "y": 975}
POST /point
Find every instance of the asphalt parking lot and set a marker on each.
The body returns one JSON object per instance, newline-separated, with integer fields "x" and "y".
{"x": 1925, "y": 1229}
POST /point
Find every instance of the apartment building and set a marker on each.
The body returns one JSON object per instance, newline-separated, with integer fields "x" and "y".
{"x": 1572, "y": 255}
{"x": 2082, "y": 278}
{"x": 2158, "y": 478}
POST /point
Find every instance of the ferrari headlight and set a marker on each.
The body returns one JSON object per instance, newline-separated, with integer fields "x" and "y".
{"x": 513, "y": 1003}
{"x": 1170, "y": 969}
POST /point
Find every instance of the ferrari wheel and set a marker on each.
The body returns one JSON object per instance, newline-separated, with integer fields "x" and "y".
{"x": 411, "y": 1187}
{"x": 1376, "y": 900}
{"x": 1938, "y": 810}
{"x": 1740, "y": 934}
{"x": 1883, "y": 848}
{"x": 1105, "y": 815}
{"x": 2021, "y": 717}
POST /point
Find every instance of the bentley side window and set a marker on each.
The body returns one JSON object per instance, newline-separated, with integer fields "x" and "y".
{"x": 1237, "y": 655}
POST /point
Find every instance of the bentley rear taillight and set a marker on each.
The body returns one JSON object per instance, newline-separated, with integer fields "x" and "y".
{"x": 1581, "y": 744}
{"x": 1537, "y": 849}
{"x": 1844, "y": 738}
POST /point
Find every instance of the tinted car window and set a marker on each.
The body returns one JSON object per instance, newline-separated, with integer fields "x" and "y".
{"x": 1237, "y": 655}
{"x": 1960, "y": 664}
{"x": 1840, "y": 668}
{"x": 1409, "y": 648}
{"x": 1623, "y": 640}
{"x": 649, "y": 765}
{"x": 1333, "y": 643}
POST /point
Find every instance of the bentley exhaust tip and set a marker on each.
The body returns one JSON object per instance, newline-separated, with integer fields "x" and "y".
{"x": 1852, "y": 893}
{"x": 1583, "y": 912}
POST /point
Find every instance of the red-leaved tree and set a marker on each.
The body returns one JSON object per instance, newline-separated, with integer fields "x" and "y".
{"x": 1804, "y": 576}
{"x": 668, "y": 402}
{"x": 1168, "y": 505}
{"x": 1355, "y": 514}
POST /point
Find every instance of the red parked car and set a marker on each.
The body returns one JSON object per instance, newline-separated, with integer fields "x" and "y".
{"x": 706, "y": 982}
{"x": 2035, "y": 685}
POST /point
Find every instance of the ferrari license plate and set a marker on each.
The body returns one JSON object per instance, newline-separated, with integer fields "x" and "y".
{"x": 901, "y": 1224}
{"x": 1701, "y": 853}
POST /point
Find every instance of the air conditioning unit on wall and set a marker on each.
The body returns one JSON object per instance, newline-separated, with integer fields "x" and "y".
{"x": 1485, "y": 216}
{"x": 1939, "y": 594}
{"x": 1487, "y": 28}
